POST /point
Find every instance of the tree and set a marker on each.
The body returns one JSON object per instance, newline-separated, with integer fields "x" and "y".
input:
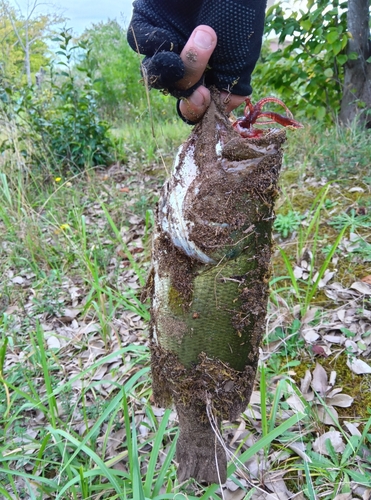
{"x": 356, "y": 99}
{"x": 27, "y": 33}
{"x": 321, "y": 49}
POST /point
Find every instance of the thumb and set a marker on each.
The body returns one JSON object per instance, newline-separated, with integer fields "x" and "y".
{"x": 196, "y": 54}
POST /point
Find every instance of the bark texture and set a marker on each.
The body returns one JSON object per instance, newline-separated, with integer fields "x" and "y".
{"x": 356, "y": 101}
{"x": 211, "y": 262}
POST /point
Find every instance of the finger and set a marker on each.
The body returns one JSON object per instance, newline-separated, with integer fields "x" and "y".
{"x": 148, "y": 39}
{"x": 194, "y": 107}
{"x": 231, "y": 101}
{"x": 196, "y": 55}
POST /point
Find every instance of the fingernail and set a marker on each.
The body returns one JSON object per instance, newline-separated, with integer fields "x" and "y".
{"x": 202, "y": 39}
{"x": 197, "y": 98}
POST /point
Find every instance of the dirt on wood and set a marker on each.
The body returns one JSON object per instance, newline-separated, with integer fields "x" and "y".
{"x": 211, "y": 267}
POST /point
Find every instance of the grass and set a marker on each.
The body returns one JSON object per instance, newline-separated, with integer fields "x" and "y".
{"x": 77, "y": 419}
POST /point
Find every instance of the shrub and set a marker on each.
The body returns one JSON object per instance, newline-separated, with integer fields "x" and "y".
{"x": 61, "y": 115}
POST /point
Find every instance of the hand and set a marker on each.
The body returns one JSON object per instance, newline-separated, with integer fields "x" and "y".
{"x": 159, "y": 30}
{"x": 195, "y": 57}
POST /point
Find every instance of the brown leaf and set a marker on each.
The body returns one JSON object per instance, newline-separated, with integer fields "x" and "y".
{"x": 319, "y": 351}
{"x": 305, "y": 382}
{"x": 342, "y": 400}
{"x": 358, "y": 366}
{"x": 320, "y": 380}
{"x": 319, "y": 445}
{"x": 343, "y": 496}
{"x": 328, "y": 415}
{"x": 361, "y": 287}
{"x": 309, "y": 315}
{"x": 53, "y": 342}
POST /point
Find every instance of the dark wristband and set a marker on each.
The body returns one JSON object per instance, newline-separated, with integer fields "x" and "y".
{"x": 183, "y": 94}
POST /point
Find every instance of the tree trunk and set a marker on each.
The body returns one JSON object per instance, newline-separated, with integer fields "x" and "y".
{"x": 27, "y": 55}
{"x": 356, "y": 101}
{"x": 209, "y": 288}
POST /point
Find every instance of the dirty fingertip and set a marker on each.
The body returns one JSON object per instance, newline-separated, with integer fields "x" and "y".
{"x": 195, "y": 106}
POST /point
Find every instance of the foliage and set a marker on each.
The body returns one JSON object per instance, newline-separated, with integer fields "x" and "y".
{"x": 307, "y": 245}
{"x": 17, "y": 30}
{"x": 307, "y": 70}
{"x": 351, "y": 219}
{"x": 62, "y": 116}
{"x": 115, "y": 68}
{"x": 286, "y": 224}
{"x": 292, "y": 342}
{"x": 364, "y": 250}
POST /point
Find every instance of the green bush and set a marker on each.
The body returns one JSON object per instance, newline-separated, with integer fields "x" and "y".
{"x": 115, "y": 67}
{"x": 307, "y": 69}
{"x": 61, "y": 116}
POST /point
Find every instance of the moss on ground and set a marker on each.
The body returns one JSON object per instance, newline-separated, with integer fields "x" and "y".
{"x": 356, "y": 386}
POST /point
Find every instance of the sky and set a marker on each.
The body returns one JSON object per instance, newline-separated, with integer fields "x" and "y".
{"x": 82, "y": 13}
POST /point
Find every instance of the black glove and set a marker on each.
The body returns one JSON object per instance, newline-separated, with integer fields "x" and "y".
{"x": 159, "y": 29}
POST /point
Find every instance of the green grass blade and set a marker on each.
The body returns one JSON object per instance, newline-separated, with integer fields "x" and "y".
{"x": 156, "y": 448}
{"x": 165, "y": 466}
{"x": 259, "y": 445}
{"x": 138, "y": 492}
{"x": 48, "y": 386}
{"x": 263, "y": 400}
{"x": 125, "y": 248}
{"x": 276, "y": 400}
{"x": 95, "y": 428}
{"x": 6, "y": 494}
{"x": 266, "y": 440}
{"x": 290, "y": 272}
{"x": 309, "y": 489}
{"x": 313, "y": 289}
{"x": 102, "y": 468}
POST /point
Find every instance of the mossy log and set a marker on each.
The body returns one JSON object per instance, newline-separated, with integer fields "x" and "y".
{"x": 209, "y": 285}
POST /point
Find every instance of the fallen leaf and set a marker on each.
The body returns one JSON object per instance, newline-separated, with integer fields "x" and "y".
{"x": 358, "y": 366}
{"x": 352, "y": 428}
{"x": 334, "y": 339}
{"x": 328, "y": 415}
{"x": 320, "y": 380}
{"x": 53, "y": 342}
{"x": 310, "y": 335}
{"x": 343, "y": 496}
{"x": 361, "y": 287}
{"x": 305, "y": 382}
{"x": 18, "y": 280}
{"x": 342, "y": 400}
{"x": 309, "y": 315}
{"x": 298, "y": 272}
{"x": 319, "y": 351}
{"x": 367, "y": 279}
{"x": 231, "y": 485}
{"x": 295, "y": 403}
{"x": 319, "y": 445}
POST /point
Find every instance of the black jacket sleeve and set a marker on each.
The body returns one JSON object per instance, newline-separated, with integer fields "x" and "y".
{"x": 159, "y": 29}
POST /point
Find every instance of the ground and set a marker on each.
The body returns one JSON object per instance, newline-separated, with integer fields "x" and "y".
{"x": 78, "y": 419}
